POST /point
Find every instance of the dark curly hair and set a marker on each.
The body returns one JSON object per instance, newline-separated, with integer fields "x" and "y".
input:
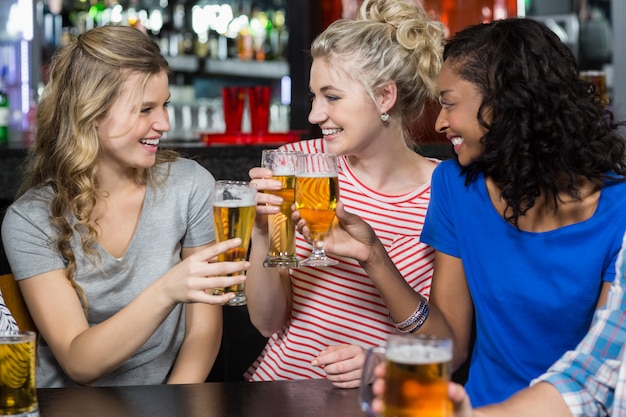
{"x": 548, "y": 127}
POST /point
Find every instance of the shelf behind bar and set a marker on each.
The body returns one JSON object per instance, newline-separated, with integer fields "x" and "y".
{"x": 256, "y": 69}
{"x": 234, "y": 67}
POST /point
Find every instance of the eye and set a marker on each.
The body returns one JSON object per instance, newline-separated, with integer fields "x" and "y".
{"x": 444, "y": 104}
{"x": 331, "y": 97}
{"x": 167, "y": 103}
{"x": 146, "y": 110}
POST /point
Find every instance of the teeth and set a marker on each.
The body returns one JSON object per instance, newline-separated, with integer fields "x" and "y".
{"x": 456, "y": 141}
{"x": 327, "y": 132}
{"x": 153, "y": 142}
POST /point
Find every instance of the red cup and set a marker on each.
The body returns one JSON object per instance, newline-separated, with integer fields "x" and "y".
{"x": 233, "y": 99}
{"x": 259, "y": 103}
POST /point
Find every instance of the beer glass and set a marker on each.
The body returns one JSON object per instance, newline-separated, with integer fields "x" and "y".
{"x": 282, "y": 229}
{"x": 18, "y": 394}
{"x": 417, "y": 373}
{"x": 317, "y": 192}
{"x": 234, "y": 207}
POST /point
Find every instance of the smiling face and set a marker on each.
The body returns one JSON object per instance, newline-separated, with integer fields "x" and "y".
{"x": 458, "y": 119}
{"x": 129, "y": 135}
{"x": 349, "y": 118}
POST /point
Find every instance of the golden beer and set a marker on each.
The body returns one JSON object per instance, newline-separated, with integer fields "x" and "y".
{"x": 282, "y": 229}
{"x": 316, "y": 200}
{"x": 234, "y": 208}
{"x": 17, "y": 373}
{"x": 416, "y": 381}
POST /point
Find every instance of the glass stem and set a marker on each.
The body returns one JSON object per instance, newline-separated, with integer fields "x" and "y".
{"x": 318, "y": 250}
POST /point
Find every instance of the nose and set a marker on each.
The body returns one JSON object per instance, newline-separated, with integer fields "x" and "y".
{"x": 162, "y": 121}
{"x": 317, "y": 114}
{"x": 441, "y": 124}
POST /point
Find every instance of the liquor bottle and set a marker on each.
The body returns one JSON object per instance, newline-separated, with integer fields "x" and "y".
{"x": 4, "y": 112}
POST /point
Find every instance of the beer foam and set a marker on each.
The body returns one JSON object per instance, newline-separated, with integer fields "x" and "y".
{"x": 235, "y": 203}
{"x": 316, "y": 175}
{"x": 283, "y": 171}
{"x": 418, "y": 354}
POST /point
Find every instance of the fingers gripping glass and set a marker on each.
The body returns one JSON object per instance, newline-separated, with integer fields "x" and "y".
{"x": 282, "y": 229}
{"x": 234, "y": 208}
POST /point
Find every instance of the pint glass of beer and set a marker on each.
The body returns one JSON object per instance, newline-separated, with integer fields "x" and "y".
{"x": 282, "y": 229}
{"x": 317, "y": 192}
{"x": 17, "y": 374}
{"x": 417, "y": 372}
{"x": 234, "y": 207}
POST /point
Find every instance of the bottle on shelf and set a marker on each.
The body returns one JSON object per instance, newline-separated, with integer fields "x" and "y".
{"x": 4, "y": 110}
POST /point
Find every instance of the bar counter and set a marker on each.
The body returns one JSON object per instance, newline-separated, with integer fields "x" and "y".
{"x": 305, "y": 398}
{"x": 224, "y": 162}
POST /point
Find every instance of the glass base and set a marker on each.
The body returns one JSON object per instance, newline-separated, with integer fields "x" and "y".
{"x": 239, "y": 300}
{"x": 319, "y": 262}
{"x": 281, "y": 262}
{"x": 32, "y": 413}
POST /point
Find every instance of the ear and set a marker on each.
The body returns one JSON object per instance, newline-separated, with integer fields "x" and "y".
{"x": 388, "y": 94}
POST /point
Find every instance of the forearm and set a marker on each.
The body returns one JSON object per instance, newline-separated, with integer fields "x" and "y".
{"x": 399, "y": 297}
{"x": 541, "y": 399}
{"x": 201, "y": 345}
{"x": 267, "y": 292}
{"x": 102, "y": 348}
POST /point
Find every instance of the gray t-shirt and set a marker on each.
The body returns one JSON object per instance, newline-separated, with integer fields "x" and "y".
{"x": 175, "y": 214}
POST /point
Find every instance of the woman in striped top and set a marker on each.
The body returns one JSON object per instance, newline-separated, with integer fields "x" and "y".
{"x": 370, "y": 79}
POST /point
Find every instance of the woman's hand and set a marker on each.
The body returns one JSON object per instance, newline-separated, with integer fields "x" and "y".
{"x": 343, "y": 364}
{"x": 267, "y": 203}
{"x": 349, "y": 235}
{"x": 193, "y": 279}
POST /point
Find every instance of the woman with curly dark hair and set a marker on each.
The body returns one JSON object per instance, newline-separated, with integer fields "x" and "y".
{"x": 527, "y": 222}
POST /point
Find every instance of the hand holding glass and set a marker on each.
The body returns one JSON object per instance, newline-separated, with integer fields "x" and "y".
{"x": 417, "y": 372}
{"x": 234, "y": 207}
{"x": 317, "y": 192}
{"x": 282, "y": 229}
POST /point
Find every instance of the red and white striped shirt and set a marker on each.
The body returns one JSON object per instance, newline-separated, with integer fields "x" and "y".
{"x": 340, "y": 304}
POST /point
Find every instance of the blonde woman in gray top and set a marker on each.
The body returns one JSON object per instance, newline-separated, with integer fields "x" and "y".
{"x": 111, "y": 239}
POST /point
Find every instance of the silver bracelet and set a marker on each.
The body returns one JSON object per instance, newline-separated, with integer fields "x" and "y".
{"x": 416, "y": 320}
{"x": 421, "y": 321}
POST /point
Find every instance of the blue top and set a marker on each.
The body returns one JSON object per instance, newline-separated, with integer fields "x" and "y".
{"x": 592, "y": 378}
{"x": 534, "y": 294}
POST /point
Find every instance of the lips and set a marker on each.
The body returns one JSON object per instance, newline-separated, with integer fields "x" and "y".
{"x": 457, "y": 142}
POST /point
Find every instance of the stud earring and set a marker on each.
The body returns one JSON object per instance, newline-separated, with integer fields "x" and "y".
{"x": 384, "y": 117}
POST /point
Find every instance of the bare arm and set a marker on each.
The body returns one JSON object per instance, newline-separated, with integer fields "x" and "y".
{"x": 354, "y": 238}
{"x": 268, "y": 289}
{"x": 541, "y": 399}
{"x": 451, "y": 307}
{"x": 88, "y": 353}
{"x": 604, "y": 293}
{"x": 203, "y": 336}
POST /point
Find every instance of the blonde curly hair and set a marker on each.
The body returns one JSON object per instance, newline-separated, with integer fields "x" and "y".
{"x": 390, "y": 40}
{"x": 86, "y": 78}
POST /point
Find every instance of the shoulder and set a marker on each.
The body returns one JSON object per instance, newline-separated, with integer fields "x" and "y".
{"x": 35, "y": 203}
{"x": 448, "y": 170}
